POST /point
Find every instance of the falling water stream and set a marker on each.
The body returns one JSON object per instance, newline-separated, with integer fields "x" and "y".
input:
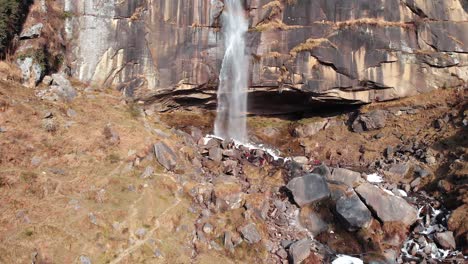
{"x": 232, "y": 91}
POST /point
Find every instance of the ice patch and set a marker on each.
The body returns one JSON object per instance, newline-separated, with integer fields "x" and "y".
{"x": 343, "y": 259}
{"x": 374, "y": 178}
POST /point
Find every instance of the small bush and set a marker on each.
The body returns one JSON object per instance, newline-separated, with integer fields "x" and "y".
{"x": 134, "y": 110}
{"x": 113, "y": 158}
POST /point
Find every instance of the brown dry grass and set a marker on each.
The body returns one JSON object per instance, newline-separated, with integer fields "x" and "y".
{"x": 308, "y": 45}
{"x": 372, "y": 22}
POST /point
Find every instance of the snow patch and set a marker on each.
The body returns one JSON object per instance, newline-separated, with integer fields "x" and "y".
{"x": 343, "y": 259}
{"x": 275, "y": 154}
{"x": 374, "y": 178}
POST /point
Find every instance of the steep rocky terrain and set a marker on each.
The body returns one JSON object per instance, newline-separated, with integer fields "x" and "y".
{"x": 87, "y": 177}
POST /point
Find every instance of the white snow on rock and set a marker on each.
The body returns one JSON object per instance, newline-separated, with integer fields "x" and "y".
{"x": 273, "y": 153}
{"x": 343, "y": 259}
{"x": 374, "y": 178}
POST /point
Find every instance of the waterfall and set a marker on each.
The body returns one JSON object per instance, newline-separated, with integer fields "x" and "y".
{"x": 232, "y": 91}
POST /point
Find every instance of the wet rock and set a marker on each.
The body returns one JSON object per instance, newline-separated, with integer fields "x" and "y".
{"x": 32, "y": 32}
{"x": 370, "y": 121}
{"x": 387, "y": 207}
{"x": 400, "y": 169}
{"x": 446, "y": 240}
{"x": 308, "y": 189}
{"x": 111, "y": 135}
{"x": 348, "y": 177}
{"x": 300, "y": 250}
{"x": 353, "y": 212}
{"x": 165, "y": 156}
{"x": 250, "y": 233}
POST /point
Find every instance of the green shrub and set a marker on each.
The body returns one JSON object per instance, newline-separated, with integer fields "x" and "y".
{"x": 12, "y": 15}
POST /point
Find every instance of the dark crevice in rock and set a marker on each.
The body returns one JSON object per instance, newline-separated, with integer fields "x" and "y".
{"x": 416, "y": 10}
{"x": 374, "y": 213}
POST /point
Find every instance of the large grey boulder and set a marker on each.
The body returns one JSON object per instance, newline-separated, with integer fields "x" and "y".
{"x": 62, "y": 88}
{"x": 353, "y": 212}
{"x": 387, "y": 207}
{"x": 31, "y": 71}
{"x": 165, "y": 155}
{"x": 348, "y": 177}
{"x": 370, "y": 121}
{"x": 308, "y": 189}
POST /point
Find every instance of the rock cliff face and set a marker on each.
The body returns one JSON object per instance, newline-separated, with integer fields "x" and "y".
{"x": 356, "y": 51}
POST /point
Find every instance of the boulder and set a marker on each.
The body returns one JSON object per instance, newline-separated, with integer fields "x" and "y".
{"x": 215, "y": 154}
{"x": 348, "y": 177}
{"x": 250, "y": 233}
{"x": 300, "y": 250}
{"x": 322, "y": 170}
{"x": 353, "y": 212}
{"x": 31, "y": 71}
{"x": 446, "y": 240}
{"x": 370, "y": 121}
{"x": 310, "y": 129}
{"x": 308, "y": 189}
{"x": 165, "y": 155}
{"x": 387, "y": 207}
{"x": 400, "y": 169}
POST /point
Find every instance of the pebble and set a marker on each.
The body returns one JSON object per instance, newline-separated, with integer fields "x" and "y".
{"x": 208, "y": 228}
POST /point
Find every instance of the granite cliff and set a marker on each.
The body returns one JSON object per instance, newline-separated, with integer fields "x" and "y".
{"x": 356, "y": 51}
